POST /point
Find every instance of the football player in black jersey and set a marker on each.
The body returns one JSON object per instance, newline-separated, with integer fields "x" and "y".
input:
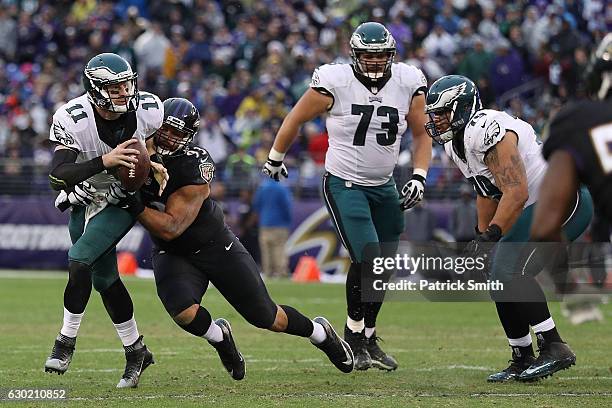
{"x": 194, "y": 246}
{"x": 578, "y": 150}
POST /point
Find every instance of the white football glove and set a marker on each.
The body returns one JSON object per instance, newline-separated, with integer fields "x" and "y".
{"x": 412, "y": 192}
{"x": 116, "y": 194}
{"x": 275, "y": 169}
{"x": 81, "y": 194}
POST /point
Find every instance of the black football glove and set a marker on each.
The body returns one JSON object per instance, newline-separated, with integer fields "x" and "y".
{"x": 81, "y": 194}
{"x": 126, "y": 200}
{"x": 482, "y": 246}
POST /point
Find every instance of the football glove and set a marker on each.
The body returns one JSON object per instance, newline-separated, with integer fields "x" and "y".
{"x": 81, "y": 194}
{"x": 275, "y": 169}
{"x": 484, "y": 242}
{"x": 412, "y": 192}
{"x": 127, "y": 200}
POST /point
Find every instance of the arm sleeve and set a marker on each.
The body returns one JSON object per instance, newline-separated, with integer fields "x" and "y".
{"x": 65, "y": 173}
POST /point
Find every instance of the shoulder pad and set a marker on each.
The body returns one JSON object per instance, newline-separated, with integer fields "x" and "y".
{"x": 200, "y": 160}
{"x": 329, "y": 76}
{"x": 411, "y": 76}
{"x": 150, "y": 111}
{"x": 485, "y": 130}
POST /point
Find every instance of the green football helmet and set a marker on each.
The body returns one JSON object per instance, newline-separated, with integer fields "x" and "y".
{"x": 101, "y": 73}
{"x": 372, "y": 38}
{"x": 598, "y": 74}
{"x": 453, "y": 98}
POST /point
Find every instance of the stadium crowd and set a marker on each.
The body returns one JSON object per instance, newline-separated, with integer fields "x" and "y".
{"x": 244, "y": 63}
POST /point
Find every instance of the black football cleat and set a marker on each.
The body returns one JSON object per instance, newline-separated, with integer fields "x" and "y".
{"x": 554, "y": 356}
{"x": 380, "y": 359}
{"x": 518, "y": 364}
{"x": 337, "y": 350}
{"x": 358, "y": 343}
{"x": 137, "y": 359}
{"x": 61, "y": 355}
{"x": 228, "y": 352}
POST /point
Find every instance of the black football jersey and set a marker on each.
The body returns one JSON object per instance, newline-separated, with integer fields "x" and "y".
{"x": 584, "y": 130}
{"x": 193, "y": 166}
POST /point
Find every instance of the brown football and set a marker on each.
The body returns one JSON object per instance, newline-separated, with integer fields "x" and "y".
{"x": 133, "y": 179}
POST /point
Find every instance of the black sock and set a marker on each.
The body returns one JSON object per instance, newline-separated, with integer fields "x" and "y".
{"x": 200, "y": 323}
{"x": 297, "y": 323}
{"x": 551, "y": 336}
{"x": 509, "y": 315}
{"x": 370, "y": 313}
{"x": 353, "y": 292}
{"x": 523, "y": 351}
{"x": 118, "y": 302}
{"x": 78, "y": 288}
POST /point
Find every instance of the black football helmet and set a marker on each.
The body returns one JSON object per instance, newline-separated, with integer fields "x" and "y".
{"x": 598, "y": 74}
{"x": 180, "y": 125}
{"x": 101, "y": 73}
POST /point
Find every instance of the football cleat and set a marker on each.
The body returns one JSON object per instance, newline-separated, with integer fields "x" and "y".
{"x": 138, "y": 358}
{"x": 358, "y": 342}
{"x": 518, "y": 364}
{"x": 61, "y": 355}
{"x": 228, "y": 352}
{"x": 380, "y": 359}
{"x": 554, "y": 356}
{"x": 338, "y": 351}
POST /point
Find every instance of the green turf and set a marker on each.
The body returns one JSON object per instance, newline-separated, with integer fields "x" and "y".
{"x": 445, "y": 351}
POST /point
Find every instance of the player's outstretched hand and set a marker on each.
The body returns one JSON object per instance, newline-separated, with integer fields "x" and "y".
{"x": 161, "y": 176}
{"x": 412, "y": 192}
{"x": 121, "y": 155}
{"x": 275, "y": 169}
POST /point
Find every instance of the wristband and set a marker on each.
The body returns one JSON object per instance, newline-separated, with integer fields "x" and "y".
{"x": 276, "y": 155}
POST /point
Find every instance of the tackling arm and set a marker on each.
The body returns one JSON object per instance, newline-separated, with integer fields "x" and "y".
{"x": 507, "y": 167}
{"x": 181, "y": 210}
{"x": 557, "y": 194}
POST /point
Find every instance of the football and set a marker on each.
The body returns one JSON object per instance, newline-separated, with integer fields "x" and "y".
{"x": 133, "y": 179}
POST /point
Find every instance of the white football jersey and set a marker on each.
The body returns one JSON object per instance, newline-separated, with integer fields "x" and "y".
{"x": 365, "y": 129}
{"x": 74, "y": 127}
{"x": 485, "y": 129}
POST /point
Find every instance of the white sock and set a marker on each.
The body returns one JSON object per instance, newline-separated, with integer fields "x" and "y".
{"x": 72, "y": 322}
{"x": 214, "y": 333}
{"x": 318, "y": 335}
{"x": 520, "y": 342}
{"x": 369, "y": 331}
{"x": 128, "y": 332}
{"x": 546, "y": 325}
{"x": 354, "y": 325}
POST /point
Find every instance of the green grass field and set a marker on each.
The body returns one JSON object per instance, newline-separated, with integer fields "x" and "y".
{"x": 445, "y": 351}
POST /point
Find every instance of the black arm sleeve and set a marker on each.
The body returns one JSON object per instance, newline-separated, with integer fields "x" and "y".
{"x": 66, "y": 173}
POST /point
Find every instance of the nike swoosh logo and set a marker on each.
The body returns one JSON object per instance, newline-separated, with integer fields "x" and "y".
{"x": 227, "y": 248}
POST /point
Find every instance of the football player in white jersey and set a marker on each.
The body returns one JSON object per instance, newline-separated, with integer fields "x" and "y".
{"x": 92, "y": 135}
{"x": 500, "y": 155}
{"x": 370, "y": 103}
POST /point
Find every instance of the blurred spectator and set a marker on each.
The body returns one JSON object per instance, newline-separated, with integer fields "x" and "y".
{"x": 239, "y": 170}
{"x": 248, "y": 225}
{"x": 8, "y": 35}
{"x": 420, "y": 223}
{"x": 463, "y": 219}
{"x": 476, "y": 63}
{"x": 273, "y": 204}
{"x": 212, "y": 136}
{"x": 507, "y": 68}
{"x": 440, "y": 45}
{"x": 150, "y": 48}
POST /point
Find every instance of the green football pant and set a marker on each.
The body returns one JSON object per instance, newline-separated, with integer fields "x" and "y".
{"x": 95, "y": 245}
{"x": 363, "y": 214}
